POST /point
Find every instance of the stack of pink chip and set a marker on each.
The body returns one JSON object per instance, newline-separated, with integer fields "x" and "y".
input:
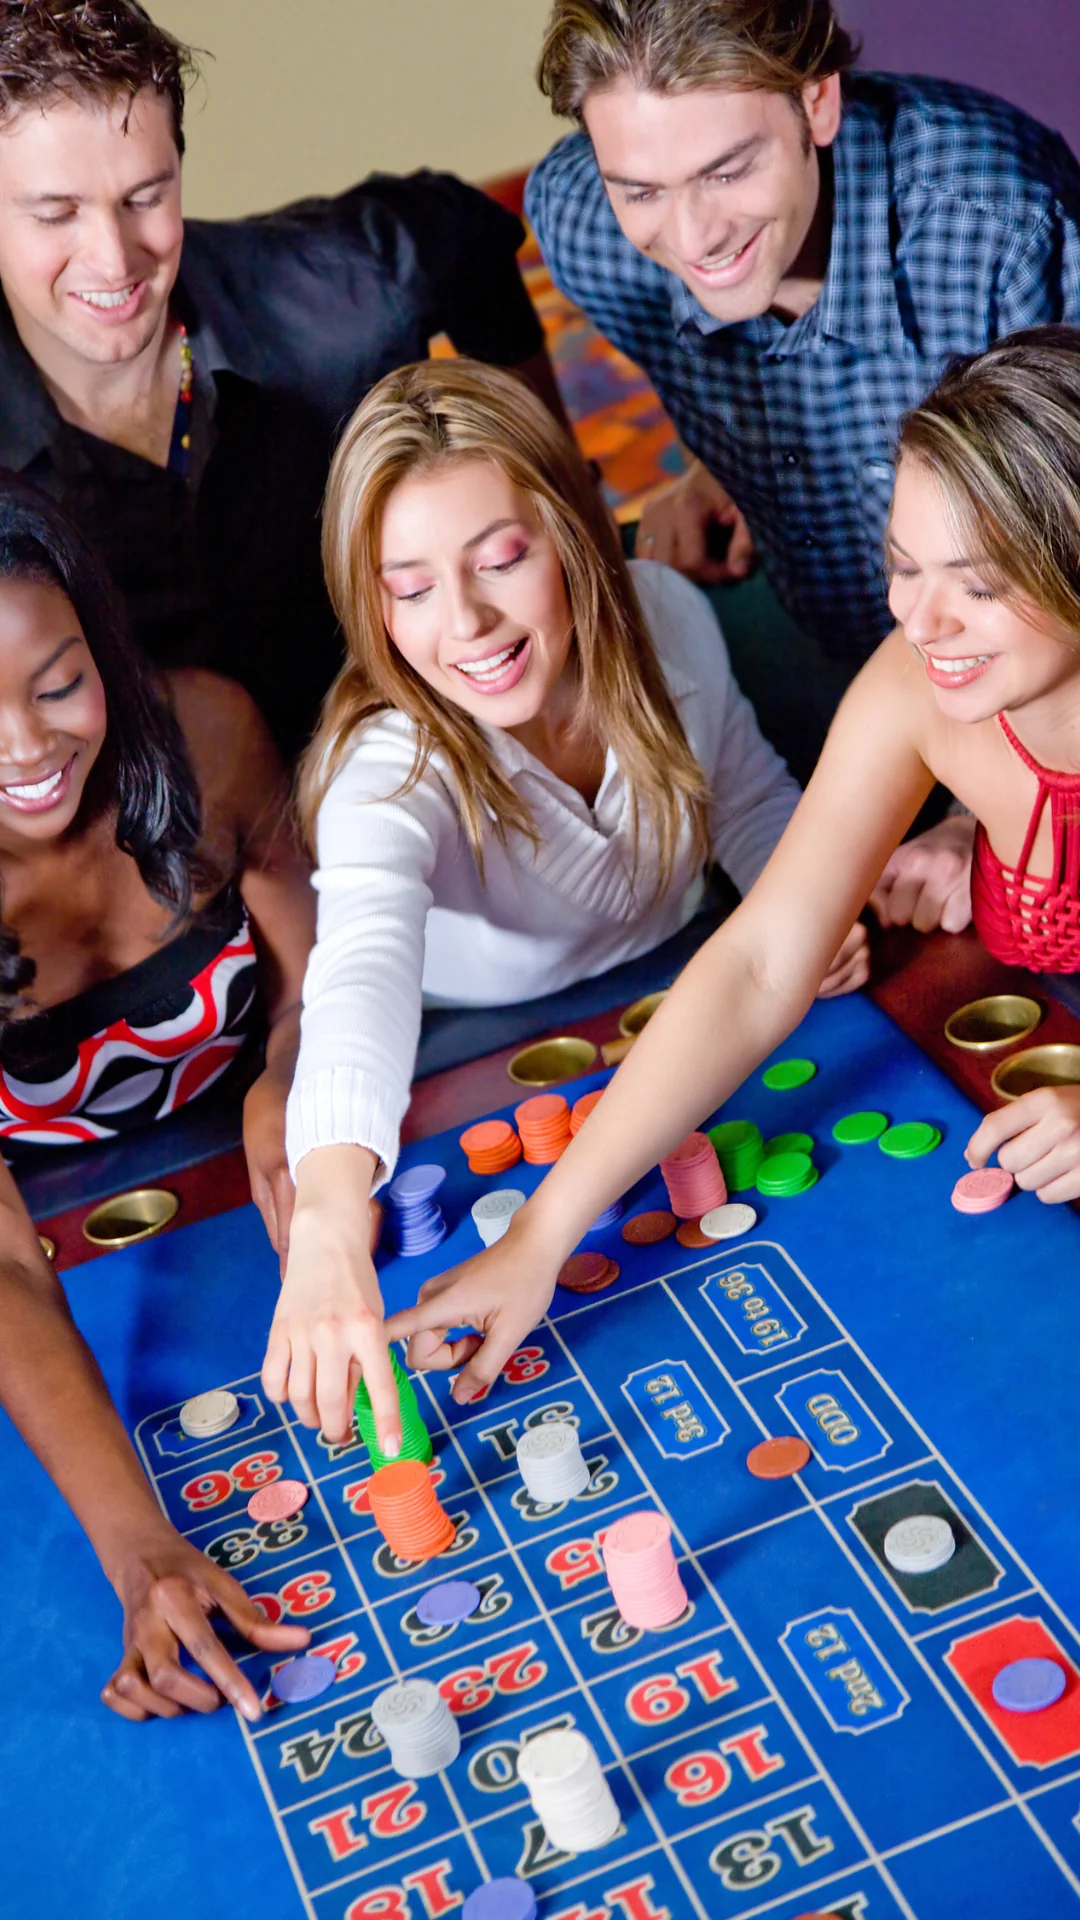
{"x": 983, "y": 1190}
{"x": 693, "y": 1178}
{"x": 641, "y": 1567}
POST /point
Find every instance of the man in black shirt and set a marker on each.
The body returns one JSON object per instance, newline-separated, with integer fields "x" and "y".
{"x": 179, "y": 385}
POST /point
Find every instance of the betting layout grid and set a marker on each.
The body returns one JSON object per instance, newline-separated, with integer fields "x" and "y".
{"x": 735, "y": 1743}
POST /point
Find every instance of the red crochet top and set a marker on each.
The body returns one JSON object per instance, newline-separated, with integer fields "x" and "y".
{"x": 1021, "y": 920}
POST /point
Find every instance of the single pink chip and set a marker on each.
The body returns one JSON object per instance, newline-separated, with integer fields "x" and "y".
{"x": 279, "y": 1501}
{"x": 983, "y": 1190}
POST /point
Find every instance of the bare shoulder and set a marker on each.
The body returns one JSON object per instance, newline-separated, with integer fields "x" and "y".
{"x": 236, "y": 763}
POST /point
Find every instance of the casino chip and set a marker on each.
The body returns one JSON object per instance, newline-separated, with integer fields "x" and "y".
{"x": 279, "y": 1501}
{"x": 858, "y": 1129}
{"x": 303, "y": 1678}
{"x": 779, "y": 1458}
{"x": 1028, "y": 1686}
{"x": 447, "y": 1604}
{"x": 983, "y": 1190}
{"x": 786, "y": 1074}
{"x": 727, "y": 1223}
{"x": 505, "y": 1899}
{"x": 920, "y": 1544}
{"x": 209, "y": 1413}
{"x": 648, "y": 1229}
{"x": 910, "y": 1140}
{"x": 789, "y": 1143}
{"x": 588, "y": 1273}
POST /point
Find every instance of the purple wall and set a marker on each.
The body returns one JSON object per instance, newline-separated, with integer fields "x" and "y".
{"x": 1026, "y": 50}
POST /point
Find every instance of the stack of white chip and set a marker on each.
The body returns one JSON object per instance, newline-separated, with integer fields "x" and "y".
{"x": 209, "y": 1414}
{"x": 418, "y": 1728}
{"x": 550, "y": 1462}
{"x": 493, "y": 1212}
{"x": 920, "y": 1544}
{"x": 568, "y": 1790}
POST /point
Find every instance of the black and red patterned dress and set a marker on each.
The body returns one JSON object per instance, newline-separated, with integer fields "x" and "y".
{"x": 133, "y": 1049}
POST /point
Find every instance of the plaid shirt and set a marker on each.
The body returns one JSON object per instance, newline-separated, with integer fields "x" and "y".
{"x": 956, "y": 221}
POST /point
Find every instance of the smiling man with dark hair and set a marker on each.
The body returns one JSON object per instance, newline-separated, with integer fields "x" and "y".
{"x": 179, "y": 385}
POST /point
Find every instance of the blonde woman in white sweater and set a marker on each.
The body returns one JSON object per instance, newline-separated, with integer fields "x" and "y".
{"x": 522, "y": 771}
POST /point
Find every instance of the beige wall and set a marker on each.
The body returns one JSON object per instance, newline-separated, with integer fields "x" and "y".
{"x": 306, "y": 96}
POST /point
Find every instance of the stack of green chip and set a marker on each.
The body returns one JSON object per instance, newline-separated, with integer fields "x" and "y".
{"x": 910, "y": 1140}
{"x": 415, "y": 1438}
{"x": 789, "y": 1143}
{"x": 786, "y": 1173}
{"x": 739, "y": 1151}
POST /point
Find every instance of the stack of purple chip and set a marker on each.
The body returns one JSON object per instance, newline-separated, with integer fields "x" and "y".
{"x": 418, "y": 1218}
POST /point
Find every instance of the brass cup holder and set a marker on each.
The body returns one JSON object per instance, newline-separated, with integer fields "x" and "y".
{"x": 129, "y": 1217}
{"x": 1055, "y": 1065}
{"x": 638, "y": 1016}
{"x": 547, "y": 1062}
{"x": 998, "y": 1021}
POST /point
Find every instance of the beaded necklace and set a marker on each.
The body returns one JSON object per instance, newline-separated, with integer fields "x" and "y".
{"x": 180, "y": 448}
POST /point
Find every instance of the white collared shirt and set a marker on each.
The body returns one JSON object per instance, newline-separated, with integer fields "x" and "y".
{"x": 404, "y": 915}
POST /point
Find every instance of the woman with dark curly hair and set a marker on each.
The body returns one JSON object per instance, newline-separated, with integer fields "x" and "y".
{"x": 155, "y": 918}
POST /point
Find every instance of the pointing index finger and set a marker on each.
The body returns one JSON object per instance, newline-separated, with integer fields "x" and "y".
{"x": 997, "y": 1127}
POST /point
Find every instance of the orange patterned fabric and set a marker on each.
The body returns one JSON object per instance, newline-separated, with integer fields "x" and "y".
{"x": 1022, "y": 920}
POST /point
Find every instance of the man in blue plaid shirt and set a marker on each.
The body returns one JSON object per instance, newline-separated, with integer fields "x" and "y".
{"x": 792, "y": 252}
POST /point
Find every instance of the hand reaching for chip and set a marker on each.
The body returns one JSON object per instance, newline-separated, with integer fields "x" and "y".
{"x": 501, "y": 1295}
{"x": 1037, "y": 1140}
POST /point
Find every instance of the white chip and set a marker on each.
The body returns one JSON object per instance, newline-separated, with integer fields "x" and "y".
{"x": 498, "y": 1205}
{"x": 418, "y": 1727}
{"x": 920, "y": 1544}
{"x": 209, "y": 1413}
{"x": 551, "y": 1463}
{"x": 568, "y": 1790}
{"x": 727, "y": 1223}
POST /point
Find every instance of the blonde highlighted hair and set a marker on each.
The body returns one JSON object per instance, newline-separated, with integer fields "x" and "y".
{"x": 671, "y": 46}
{"x": 1001, "y": 436}
{"x": 441, "y": 413}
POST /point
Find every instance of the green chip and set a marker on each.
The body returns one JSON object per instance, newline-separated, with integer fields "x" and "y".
{"x": 788, "y": 1143}
{"x": 789, "y": 1073}
{"x": 910, "y": 1140}
{"x": 784, "y": 1173}
{"x": 415, "y": 1439}
{"x": 728, "y": 1135}
{"x": 855, "y": 1129}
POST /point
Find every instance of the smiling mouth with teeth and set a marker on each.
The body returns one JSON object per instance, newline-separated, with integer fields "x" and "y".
{"x": 958, "y": 666}
{"x": 716, "y": 264}
{"x": 105, "y": 301}
{"x": 493, "y": 666}
{"x": 36, "y": 790}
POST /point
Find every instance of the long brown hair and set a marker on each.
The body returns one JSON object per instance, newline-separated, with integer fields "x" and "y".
{"x": 1001, "y": 435}
{"x": 442, "y": 412}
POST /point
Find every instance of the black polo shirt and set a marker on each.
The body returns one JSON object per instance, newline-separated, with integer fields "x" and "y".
{"x": 292, "y": 316}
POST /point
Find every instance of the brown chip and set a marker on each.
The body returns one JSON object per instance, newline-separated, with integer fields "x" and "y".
{"x": 689, "y": 1234}
{"x": 586, "y": 1272}
{"x": 645, "y": 1229}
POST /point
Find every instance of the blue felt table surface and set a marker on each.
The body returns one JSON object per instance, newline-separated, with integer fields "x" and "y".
{"x": 973, "y": 1322}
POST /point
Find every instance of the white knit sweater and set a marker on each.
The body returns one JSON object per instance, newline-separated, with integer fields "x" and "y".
{"x": 404, "y": 916}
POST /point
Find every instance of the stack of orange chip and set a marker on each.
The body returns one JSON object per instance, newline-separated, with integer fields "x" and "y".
{"x": 491, "y": 1146}
{"x": 544, "y": 1126}
{"x": 582, "y": 1108}
{"x": 407, "y": 1511}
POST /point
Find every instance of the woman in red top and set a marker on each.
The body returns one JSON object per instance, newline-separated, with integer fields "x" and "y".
{"x": 979, "y": 687}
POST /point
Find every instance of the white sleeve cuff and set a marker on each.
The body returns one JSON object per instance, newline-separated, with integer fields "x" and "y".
{"x": 343, "y": 1107}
